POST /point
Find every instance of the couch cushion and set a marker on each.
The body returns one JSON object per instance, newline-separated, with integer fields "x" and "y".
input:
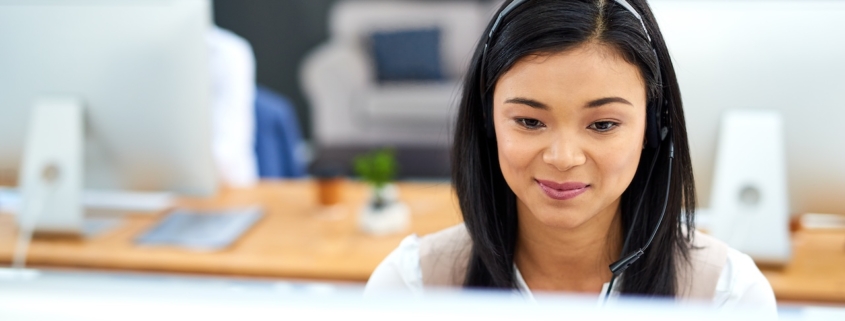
{"x": 403, "y": 55}
{"x": 461, "y": 24}
{"x": 410, "y": 105}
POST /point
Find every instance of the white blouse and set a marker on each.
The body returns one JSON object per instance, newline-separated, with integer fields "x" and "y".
{"x": 741, "y": 285}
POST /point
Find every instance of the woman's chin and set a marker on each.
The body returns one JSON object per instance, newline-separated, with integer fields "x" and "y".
{"x": 565, "y": 220}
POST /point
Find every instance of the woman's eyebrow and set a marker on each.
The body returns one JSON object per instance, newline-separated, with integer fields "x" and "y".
{"x": 607, "y": 100}
{"x": 528, "y": 102}
{"x": 592, "y": 104}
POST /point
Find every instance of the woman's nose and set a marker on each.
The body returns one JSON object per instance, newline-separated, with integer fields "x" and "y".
{"x": 564, "y": 153}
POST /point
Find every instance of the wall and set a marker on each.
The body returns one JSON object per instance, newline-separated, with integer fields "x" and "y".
{"x": 281, "y": 32}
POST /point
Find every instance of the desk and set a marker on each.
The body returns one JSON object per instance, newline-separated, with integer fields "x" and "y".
{"x": 816, "y": 272}
{"x": 299, "y": 239}
{"x": 295, "y": 239}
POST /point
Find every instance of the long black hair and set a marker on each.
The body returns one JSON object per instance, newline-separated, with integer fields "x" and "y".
{"x": 487, "y": 202}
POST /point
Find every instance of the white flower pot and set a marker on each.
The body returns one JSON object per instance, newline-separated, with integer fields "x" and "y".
{"x": 392, "y": 217}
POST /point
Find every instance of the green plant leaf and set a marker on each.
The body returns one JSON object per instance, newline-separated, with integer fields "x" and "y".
{"x": 377, "y": 168}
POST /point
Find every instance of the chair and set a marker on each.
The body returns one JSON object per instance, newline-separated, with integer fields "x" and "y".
{"x": 278, "y": 139}
{"x": 350, "y": 107}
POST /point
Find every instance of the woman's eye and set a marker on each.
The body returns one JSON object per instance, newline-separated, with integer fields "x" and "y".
{"x": 603, "y": 126}
{"x": 529, "y": 123}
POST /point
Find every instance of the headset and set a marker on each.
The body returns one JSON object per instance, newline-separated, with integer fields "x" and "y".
{"x": 657, "y": 131}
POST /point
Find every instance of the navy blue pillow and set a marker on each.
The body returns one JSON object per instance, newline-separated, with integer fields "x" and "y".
{"x": 407, "y": 55}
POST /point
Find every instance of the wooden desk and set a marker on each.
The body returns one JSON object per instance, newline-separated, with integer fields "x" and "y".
{"x": 816, "y": 272}
{"x": 295, "y": 239}
{"x": 299, "y": 239}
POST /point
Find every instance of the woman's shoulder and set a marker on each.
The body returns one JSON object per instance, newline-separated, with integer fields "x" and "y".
{"x": 741, "y": 284}
{"x": 726, "y": 277}
{"x": 399, "y": 271}
{"x": 434, "y": 259}
{"x": 699, "y": 273}
{"x": 444, "y": 256}
{"x": 448, "y": 240}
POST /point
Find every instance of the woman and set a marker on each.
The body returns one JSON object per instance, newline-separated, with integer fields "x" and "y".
{"x": 570, "y": 156}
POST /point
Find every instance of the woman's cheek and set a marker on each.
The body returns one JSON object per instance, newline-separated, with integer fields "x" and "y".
{"x": 514, "y": 159}
{"x": 621, "y": 165}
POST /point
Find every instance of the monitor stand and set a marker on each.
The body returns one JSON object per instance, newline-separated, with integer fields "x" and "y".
{"x": 51, "y": 199}
{"x": 51, "y": 173}
{"x": 749, "y": 202}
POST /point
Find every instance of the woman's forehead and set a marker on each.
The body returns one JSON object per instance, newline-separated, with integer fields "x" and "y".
{"x": 577, "y": 75}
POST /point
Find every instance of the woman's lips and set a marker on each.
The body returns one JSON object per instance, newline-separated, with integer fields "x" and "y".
{"x": 562, "y": 191}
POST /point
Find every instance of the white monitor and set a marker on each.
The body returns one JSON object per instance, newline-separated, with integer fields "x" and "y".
{"x": 786, "y": 56}
{"x": 138, "y": 71}
{"x": 135, "y": 296}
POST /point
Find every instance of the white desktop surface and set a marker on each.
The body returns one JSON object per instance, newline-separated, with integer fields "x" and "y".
{"x": 55, "y": 295}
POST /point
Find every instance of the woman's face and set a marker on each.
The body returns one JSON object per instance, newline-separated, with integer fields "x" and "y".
{"x": 570, "y": 130}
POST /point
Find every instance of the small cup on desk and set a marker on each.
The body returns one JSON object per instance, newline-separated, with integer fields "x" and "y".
{"x": 329, "y": 186}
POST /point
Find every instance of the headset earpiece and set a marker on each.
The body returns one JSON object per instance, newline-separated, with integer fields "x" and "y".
{"x": 653, "y": 125}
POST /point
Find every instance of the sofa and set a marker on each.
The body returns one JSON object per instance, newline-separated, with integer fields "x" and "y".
{"x": 353, "y": 107}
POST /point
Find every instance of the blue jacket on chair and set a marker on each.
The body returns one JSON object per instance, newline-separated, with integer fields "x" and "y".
{"x": 278, "y": 138}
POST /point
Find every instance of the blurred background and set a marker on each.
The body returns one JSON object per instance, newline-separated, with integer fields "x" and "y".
{"x": 282, "y": 148}
{"x": 292, "y": 41}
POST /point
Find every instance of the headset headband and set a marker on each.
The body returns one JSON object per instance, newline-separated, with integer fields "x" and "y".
{"x": 516, "y": 3}
{"x": 655, "y": 133}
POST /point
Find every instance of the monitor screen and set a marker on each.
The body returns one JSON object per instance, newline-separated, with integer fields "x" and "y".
{"x": 139, "y": 69}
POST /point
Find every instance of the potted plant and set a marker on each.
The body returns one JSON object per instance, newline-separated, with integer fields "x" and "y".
{"x": 383, "y": 213}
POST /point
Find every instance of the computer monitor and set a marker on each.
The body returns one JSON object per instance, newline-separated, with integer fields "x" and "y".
{"x": 786, "y": 56}
{"x": 139, "y": 71}
{"x": 76, "y": 295}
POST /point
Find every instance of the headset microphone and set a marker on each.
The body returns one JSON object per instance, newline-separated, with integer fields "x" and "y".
{"x": 622, "y": 264}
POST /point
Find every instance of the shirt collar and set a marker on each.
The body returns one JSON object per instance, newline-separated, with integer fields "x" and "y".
{"x": 525, "y": 292}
